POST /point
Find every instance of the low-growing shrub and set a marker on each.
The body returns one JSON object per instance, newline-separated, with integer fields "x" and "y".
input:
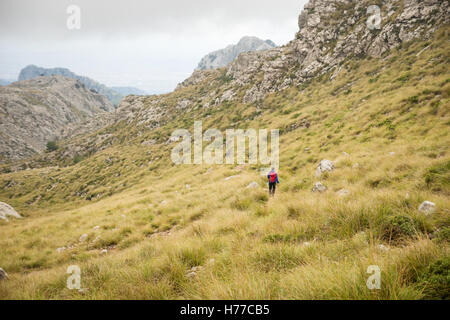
{"x": 398, "y": 227}
{"x": 278, "y": 258}
{"x": 241, "y": 203}
{"x": 192, "y": 257}
{"x": 437, "y": 178}
{"x": 435, "y": 280}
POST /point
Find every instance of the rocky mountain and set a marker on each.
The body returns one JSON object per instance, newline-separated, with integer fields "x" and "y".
{"x": 33, "y": 71}
{"x": 223, "y": 57}
{"x": 126, "y": 91}
{"x": 364, "y": 168}
{"x": 34, "y": 112}
{"x": 330, "y": 32}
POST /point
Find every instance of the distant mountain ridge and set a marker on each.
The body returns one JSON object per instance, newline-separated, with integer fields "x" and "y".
{"x": 5, "y": 82}
{"x": 35, "y": 111}
{"x": 114, "y": 95}
{"x": 222, "y": 58}
{"x": 126, "y": 91}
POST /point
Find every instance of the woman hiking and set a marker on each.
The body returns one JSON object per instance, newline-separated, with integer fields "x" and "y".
{"x": 273, "y": 181}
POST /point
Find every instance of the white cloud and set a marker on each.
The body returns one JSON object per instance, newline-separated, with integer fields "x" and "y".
{"x": 149, "y": 44}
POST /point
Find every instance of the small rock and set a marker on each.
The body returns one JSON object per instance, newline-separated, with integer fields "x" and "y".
{"x": 96, "y": 227}
{"x": 231, "y": 177}
{"x": 208, "y": 171}
{"x": 383, "y": 247}
{"x": 123, "y": 216}
{"x": 83, "y": 238}
{"x": 198, "y": 268}
{"x": 392, "y": 153}
{"x": 163, "y": 203}
{"x": 346, "y": 154}
{"x": 427, "y": 207}
{"x": 319, "y": 187}
{"x": 188, "y": 186}
{"x": 3, "y": 275}
{"x": 324, "y": 165}
{"x": 6, "y": 210}
{"x": 59, "y": 250}
{"x": 191, "y": 274}
{"x": 343, "y": 193}
{"x": 103, "y": 252}
{"x": 253, "y": 185}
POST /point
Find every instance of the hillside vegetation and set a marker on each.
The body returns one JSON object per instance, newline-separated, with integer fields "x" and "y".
{"x": 184, "y": 232}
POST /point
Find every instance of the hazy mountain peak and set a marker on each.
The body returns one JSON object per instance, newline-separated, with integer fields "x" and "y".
{"x": 223, "y": 57}
{"x": 33, "y": 71}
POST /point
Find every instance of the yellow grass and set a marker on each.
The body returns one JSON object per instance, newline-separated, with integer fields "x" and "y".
{"x": 298, "y": 245}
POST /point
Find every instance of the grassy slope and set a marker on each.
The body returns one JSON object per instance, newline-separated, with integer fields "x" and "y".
{"x": 297, "y": 245}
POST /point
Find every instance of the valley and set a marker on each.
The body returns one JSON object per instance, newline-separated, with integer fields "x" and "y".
{"x": 374, "y": 103}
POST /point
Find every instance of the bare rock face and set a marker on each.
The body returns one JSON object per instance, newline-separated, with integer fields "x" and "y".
{"x": 36, "y": 111}
{"x": 330, "y": 32}
{"x": 7, "y": 211}
{"x": 222, "y": 58}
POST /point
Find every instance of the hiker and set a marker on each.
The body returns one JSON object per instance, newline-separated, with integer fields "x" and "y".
{"x": 273, "y": 180}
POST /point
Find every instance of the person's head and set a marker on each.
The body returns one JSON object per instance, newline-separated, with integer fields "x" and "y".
{"x": 273, "y": 170}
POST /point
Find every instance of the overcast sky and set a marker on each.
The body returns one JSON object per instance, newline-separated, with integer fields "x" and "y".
{"x": 152, "y": 45}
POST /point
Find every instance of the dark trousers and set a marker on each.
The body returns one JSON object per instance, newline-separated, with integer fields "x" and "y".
{"x": 272, "y": 188}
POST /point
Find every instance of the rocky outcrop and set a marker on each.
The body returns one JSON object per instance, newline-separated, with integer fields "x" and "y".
{"x": 34, "y": 112}
{"x": 332, "y": 31}
{"x": 319, "y": 187}
{"x": 427, "y": 207}
{"x": 32, "y": 71}
{"x": 3, "y": 275}
{"x": 324, "y": 166}
{"x": 222, "y": 58}
{"x": 7, "y": 211}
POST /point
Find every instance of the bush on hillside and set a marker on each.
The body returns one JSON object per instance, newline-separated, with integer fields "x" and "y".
{"x": 435, "y": 280}
{"x": 397, "y": 228}
{"x": 52, "y": 146}
{"x": 437, "y": 178}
